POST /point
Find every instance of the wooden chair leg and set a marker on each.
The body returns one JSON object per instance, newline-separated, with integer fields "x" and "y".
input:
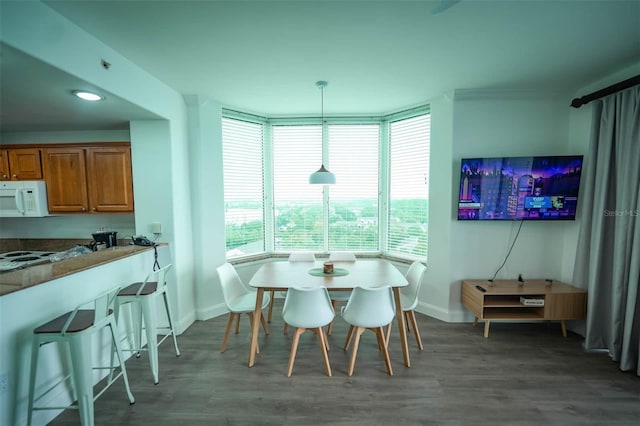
{"x": 286, "y": 328}
{"x": 414, "y": 325}
{"x": 386, "y": 339}
{"x": 334, "y": 303}
{"x": 385, "y": 352}
{"x": 272, "y": 294}
{"x": 250, "y": 315}
{"x": 238, "y": 324}
{"x": 323, "y": 349}
{"x": 356, "y": 342}
{"x": 294, "y": 349}
{"x": 264, "y": 325}
{"x": 349, "y": 336}
{"x": 227, "y": 330}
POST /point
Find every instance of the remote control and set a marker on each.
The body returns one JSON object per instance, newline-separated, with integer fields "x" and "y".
{"x": 482, "y": 289}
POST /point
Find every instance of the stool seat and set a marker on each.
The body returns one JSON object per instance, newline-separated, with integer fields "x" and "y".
{"x": 133, "y": 289}
{"x": 81, "y": 321}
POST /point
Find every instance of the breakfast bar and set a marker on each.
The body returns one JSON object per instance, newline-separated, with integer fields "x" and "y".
{"x": 36, "y": 294}
{"x": 20, "y": 279}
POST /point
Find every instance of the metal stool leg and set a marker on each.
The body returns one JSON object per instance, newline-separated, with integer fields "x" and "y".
{"x": 35, "y": 350}
{"x": 115, "y": 339}
{"x": 80, "y": 348}
{"x": 151, "y": 329}
{"x": 169, "y": 317}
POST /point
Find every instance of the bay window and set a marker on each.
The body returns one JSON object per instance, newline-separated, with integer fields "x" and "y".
{"x": 379, "y": 204}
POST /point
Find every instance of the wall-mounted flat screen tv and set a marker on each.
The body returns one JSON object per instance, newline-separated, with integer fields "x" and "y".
{"x": 519, "y": 188}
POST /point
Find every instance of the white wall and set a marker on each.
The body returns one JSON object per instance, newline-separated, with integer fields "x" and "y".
{"x": 205, "y": 143}
{"x": 487, "y": 124}
{"x": 434, "y": 292}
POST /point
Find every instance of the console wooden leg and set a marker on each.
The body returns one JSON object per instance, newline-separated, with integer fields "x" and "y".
{"x": 564, "y": 328}
{"x": 475, "y": 321}
{"x": 486, "y": 328}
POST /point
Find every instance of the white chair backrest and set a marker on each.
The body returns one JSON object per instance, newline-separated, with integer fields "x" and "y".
{"x": 302, "y": 256}
{"x": 307, "y": 307}
{"x": 414, "y": 277}
{"x": 370, "y": 307}
{"x": 342, "y": 256}
{"x": 161, "y": 275}
{"x": 232, "y": 285}
{"x": 102, "y": 307}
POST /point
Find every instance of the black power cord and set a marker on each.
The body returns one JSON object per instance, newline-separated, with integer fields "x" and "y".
{"x": 509, "y": 252}
{"x": 156, "y": 265}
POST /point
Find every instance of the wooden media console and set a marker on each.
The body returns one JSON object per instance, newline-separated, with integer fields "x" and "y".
{"x": 511, "y": 300}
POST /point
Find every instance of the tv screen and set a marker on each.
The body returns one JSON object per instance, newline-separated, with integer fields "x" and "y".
{"x": 519, "y": 188}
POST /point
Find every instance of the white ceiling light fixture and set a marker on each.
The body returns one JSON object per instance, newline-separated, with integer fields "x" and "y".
{"x": 88, "y": 96}
{"x": 322, "y": 176}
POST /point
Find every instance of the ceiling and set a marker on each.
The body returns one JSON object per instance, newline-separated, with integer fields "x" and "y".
{"x": 378, "y": 56}
{"x": 38, "y": 97}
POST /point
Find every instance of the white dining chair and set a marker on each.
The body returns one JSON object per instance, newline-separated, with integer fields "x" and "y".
{"x": 339, "y": 296}
{"x": 296, "y": 256}
{"x": 239, "y": 299}
{"x": 308, "y": 309}
{"x": 409, "y": 300}
{"x": 369, "y": 308}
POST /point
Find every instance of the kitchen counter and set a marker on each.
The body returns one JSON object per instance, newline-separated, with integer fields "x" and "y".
{"x": 38, "y": 274}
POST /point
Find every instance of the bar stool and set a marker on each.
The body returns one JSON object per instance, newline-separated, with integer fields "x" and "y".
{"x": 76, "y": 329}
{"x": 142, "y": 299}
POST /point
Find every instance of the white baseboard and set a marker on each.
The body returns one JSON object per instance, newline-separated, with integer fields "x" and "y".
{"x": 211, "y": 312}
{"x": 443, "y": 314}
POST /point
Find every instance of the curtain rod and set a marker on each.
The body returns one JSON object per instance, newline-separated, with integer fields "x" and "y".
{"x": 578, "y": 102}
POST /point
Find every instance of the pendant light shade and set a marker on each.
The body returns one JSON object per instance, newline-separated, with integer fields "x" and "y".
{"x": 322, "y": 176}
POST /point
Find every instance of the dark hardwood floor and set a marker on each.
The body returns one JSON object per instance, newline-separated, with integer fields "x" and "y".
{"x": 523, "y": 374}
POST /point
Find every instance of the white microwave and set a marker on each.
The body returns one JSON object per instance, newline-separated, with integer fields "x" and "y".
{"x": 23, "y": 198}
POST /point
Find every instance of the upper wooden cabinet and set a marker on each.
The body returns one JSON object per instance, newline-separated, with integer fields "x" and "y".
{"x": 109, "y": 179}
{"x": 89, "y": 179}
{"x": 66, "y": 177}
{"x": 20, "y": 164}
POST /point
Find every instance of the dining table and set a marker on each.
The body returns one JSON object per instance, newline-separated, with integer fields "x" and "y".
{"x": 281, "y": 275}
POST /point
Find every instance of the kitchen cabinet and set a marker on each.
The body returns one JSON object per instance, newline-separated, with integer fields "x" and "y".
{"x": 20, "y": 164}
{"x": 91, "y": 179}
{"x": 109, "y": 179}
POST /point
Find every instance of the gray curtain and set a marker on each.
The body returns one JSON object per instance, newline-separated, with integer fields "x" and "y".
{"x": 608, "y": 255}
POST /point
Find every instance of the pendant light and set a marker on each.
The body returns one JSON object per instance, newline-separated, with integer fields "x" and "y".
{"x": 322, "y": 176}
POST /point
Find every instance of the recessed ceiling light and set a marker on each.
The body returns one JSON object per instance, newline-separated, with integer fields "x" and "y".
{"x": 87, "y": 96}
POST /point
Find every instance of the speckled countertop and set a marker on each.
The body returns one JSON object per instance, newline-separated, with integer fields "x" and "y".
{"x": 38, "y": 274}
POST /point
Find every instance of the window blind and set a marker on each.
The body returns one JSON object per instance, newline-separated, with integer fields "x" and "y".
{"x": 297, "y": 205}
{"x": 353, "y": 200}
{"x": 242, "y": 150}
{"x": 409, "y": 141}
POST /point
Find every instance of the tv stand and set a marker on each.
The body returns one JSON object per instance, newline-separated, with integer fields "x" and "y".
{"x": 542, "y": 300}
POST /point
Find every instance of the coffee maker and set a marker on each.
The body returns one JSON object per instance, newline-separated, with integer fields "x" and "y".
{"x": 103, "y": 239}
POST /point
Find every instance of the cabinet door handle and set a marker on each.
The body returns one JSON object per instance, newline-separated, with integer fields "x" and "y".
{"x": 15, "y": 175}
{"x": 94, "y": 209}
{"x": 4, "y": 176}
{"x": 83, "y": 209}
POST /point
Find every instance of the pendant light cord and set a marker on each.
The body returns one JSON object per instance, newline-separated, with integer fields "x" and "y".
{"x": 321, "y": 106}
